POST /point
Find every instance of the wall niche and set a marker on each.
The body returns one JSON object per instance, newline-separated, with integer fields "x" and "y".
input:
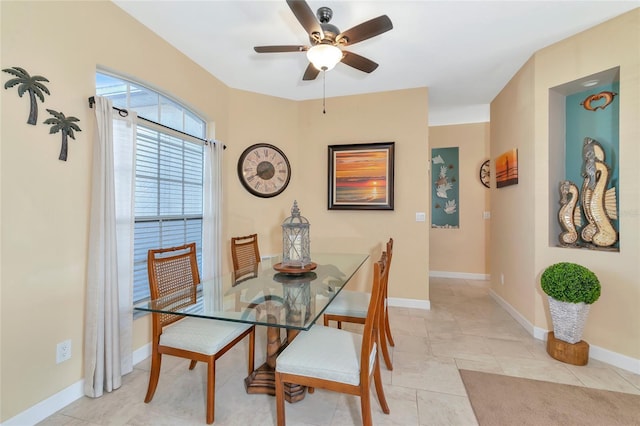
{"x": 584, "y": 162}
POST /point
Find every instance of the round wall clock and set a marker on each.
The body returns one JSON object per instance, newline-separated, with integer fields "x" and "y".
{"x": 264, "y": 170}
{"x": 485, "y": 173}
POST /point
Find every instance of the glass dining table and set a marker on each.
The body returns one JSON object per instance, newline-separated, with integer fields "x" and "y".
{"x": 291, "y": 300}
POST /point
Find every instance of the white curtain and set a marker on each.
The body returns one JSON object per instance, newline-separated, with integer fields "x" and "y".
{"x": 109, "y": 316}
{"x": 212, "y": 245}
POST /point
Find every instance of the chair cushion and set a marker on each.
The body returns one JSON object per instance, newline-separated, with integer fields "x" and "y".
{"x": 201, "y": 335}
{"x": 325, "y": 353}
{"x": 350, "y": 303}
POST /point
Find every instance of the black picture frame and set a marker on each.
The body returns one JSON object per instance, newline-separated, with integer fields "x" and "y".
{"x": 361, "y": 176}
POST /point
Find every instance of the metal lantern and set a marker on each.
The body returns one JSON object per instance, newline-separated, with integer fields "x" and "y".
{"x": 296, "y": 252}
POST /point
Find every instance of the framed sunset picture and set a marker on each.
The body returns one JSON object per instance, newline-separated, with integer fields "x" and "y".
{"x": 507, "y": 169}
{"x": 361, "y": 176}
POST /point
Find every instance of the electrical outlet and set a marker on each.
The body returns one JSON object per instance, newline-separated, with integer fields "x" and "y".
{"x": 63, "y": 351}
{"x": 502, "y": 279}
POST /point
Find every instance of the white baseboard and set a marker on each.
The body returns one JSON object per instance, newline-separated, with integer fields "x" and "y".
{"x": 57, "y": 402}
{"x": 409, "y": 303}
{"x": 460, "y": 275}
{"x": 142, "y": 353}
{"x": 45, "y": 408}
{"x": 601, "y": 354}
{"x": 621, "y": 361}
{"x": 426, "y": 304}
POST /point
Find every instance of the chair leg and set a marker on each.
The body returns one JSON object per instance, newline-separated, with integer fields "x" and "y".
{"x": 192, "y": 365}
{"x": 211, "y": 389}
{"x": 365, "y": 405}
{"x": 340, "y": 324}
{"x": 387, "y": 328}
{"x": 279, "y": 400}
{"x": 385, "y": 350}
{"x": 377, "y": 380}
{"x": 154, "y": 375}
{"x": 326, "y": 321}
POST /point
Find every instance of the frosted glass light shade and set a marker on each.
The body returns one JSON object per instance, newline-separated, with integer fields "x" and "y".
{"x": 324, "y": 56}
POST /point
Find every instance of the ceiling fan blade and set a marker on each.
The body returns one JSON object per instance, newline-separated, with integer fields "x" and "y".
{"x": 277, "y": 49}
{"x": 310, "y": 73}
{"x": 306, "y": 17}
{"x": 358, "y": 62}
{"x": 366, "y": 30}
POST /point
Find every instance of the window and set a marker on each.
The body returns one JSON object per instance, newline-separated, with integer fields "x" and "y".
{"x": 169, "y": 172}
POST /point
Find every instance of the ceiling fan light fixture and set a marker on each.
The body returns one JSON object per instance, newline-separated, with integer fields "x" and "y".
{"x": 324, "y": 56}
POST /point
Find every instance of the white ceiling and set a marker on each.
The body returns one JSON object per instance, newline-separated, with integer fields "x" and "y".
{"x": 463, "y": 51}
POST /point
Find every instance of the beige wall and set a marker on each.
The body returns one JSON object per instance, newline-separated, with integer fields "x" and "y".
{"x": 469, "y": 242}
{"x": 512, "y": 206}
{"x": 45, "y": 202}
{"x": 397, "y": 116}
{"x": 520, "y": 115}
{"x": 255, "y": 118}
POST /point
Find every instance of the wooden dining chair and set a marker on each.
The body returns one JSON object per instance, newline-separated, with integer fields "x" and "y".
{"x": 351, "y": 306}
{"x": 246, "y": 257}
{"x": 337, "y": 360}
{"x": 173, "y": 280}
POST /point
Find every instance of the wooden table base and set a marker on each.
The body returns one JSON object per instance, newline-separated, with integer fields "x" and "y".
{"x": 576, "y": 353}
{"x": 262, "y": 381}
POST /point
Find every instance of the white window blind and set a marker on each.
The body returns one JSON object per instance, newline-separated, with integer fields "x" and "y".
{"x": 168, "y": 197}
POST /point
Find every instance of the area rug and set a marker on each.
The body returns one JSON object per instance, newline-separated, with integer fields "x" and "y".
{"x": 502, "y": 400}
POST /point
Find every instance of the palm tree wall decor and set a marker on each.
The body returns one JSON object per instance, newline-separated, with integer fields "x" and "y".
{"x": 31, "y": 84}
{"x": 63, "y": 124}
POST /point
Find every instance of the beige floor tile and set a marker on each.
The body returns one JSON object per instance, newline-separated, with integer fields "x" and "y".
{"x": 465, "y": 329}
{"x": 457, "y": 346}
{"x": 486, "y": 363}
{"x": 513, "y": 348}
{"x": 427, "y": 373}
{"x": 634, "y": 379}
{"x": 547, "y": 370}
{"x": 413, "y": 344}
{"x": 603, "y": 378}
{"x": 444, "y": 410}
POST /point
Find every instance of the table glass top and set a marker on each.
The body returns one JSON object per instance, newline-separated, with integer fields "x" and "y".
{"x": 272, "y": 298}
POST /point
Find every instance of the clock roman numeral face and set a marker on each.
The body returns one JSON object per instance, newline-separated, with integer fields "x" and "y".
{"x": 264, "y": 170}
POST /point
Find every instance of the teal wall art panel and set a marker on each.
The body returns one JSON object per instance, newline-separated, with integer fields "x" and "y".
{"x": 594, "y": 114}
{"x": 445, "y": 190}
{"x": 596, "y": 122}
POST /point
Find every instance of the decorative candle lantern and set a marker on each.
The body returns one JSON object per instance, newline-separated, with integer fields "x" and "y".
{"x": 296, "y": 252}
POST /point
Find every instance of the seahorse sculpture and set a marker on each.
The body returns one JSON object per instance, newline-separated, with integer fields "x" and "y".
{"x": 598, "y": 202}
{"x": 568, "y": 215}
{"x": 587, "y": 190}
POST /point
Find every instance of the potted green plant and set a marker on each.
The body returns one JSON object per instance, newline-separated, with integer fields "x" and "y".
{"x": 571, "y": 289}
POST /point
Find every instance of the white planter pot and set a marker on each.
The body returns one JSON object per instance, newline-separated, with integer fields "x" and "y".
{"x": 568, "y": 319}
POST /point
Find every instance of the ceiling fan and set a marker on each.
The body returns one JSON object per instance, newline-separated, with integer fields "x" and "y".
{"x": 327, "y": 42}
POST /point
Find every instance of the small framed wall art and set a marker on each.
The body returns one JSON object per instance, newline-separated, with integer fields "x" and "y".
{"x": 507, "y": 169}
{"x": 361, "y": 176}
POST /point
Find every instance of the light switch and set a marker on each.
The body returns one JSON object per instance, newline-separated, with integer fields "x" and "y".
{"x": 421, "y": 216}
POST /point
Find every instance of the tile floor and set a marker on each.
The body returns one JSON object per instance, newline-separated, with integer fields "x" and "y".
{"x": 465, "y": 329}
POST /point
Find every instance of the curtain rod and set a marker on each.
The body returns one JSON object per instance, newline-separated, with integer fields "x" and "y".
{"x": 124, "y": 113}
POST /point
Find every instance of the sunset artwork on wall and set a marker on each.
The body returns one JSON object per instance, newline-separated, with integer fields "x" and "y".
{"x": 361, "y": 176}
{"x": 507, "y": 169}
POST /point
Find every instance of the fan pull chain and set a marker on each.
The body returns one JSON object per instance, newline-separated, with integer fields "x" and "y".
{"x": 324, "y": 91}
